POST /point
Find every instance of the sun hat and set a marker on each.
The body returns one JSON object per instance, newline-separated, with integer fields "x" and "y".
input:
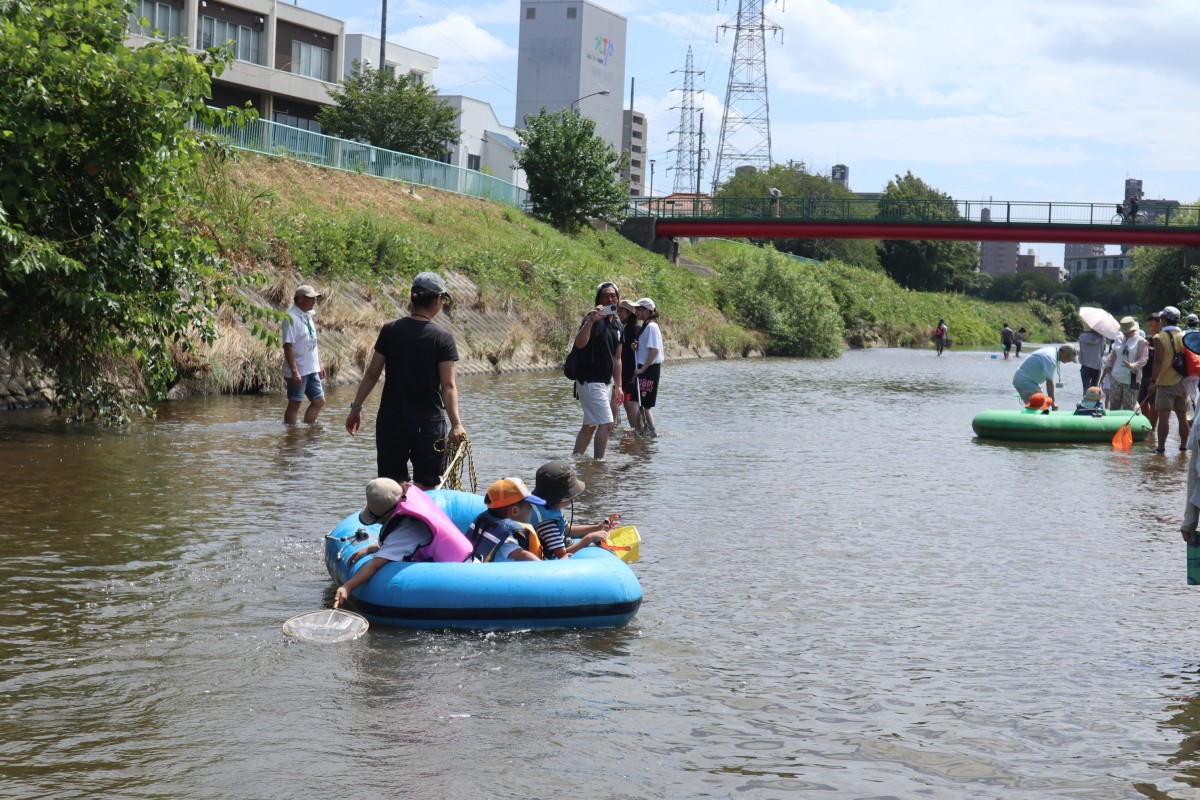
{"x": 556, "y": 482}
{"x": 305, "y": 290}
{"x": 1171, "y": 313}
{"x": 647, "y": 304}
{"x": 1038, "y": 401}
{"x": 1128, "y": 325}
{"x": 510, "y": 491}
{"x": 429, "y": 283}
{"x": 1192, "y": 319}
{"x": 382, "y": 496}
{"x": 1070, "y": 350}
{"x": 628, "y": 305}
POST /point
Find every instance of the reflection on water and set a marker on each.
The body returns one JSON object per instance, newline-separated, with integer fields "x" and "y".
{"x": 846, "y": 594}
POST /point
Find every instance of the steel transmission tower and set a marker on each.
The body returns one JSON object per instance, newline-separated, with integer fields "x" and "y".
{"x": 687, "y": 148}
{"x": 746, "y": 123}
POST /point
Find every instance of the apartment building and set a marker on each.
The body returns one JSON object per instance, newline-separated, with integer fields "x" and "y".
{"x": 286, "y": 58}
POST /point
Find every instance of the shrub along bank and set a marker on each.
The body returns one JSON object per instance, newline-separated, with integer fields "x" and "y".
{"x": 810, "y": 309}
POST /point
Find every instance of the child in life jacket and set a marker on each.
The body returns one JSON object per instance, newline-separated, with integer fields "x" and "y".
{"x": 556, "y": 483}
{"x": 1038, "y": 404}
{"x": 503, "y": 533}
{"x": 400, "y": 536}
{"x": 1093, "y": 403}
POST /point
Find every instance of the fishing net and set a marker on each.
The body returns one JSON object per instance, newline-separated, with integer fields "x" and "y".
{"x": 327, "y": 625}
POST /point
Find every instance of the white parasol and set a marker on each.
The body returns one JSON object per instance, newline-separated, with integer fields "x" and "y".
{"x": 1100, "y": 321}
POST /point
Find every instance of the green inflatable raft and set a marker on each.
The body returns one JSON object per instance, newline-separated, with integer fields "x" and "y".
{"x": 1056, "y": 426}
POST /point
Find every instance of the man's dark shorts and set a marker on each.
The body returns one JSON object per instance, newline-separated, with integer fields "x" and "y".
{"x": 398, "y": 442}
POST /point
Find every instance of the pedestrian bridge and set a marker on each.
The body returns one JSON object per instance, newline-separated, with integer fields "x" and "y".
{"x": 978, "y": 221}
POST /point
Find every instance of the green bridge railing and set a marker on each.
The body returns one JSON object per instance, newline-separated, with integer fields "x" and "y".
{"x": 273, "y": 139}
{"x": 914, "y": 211}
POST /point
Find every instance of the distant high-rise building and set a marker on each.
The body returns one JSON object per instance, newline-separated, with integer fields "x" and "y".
{"x": 840, "y": 174}
{"x": 569, "y": 52}
{"x": 1076, "y": 251}
{"x": 997, "y": 258}
{"x": 633, "y": 139}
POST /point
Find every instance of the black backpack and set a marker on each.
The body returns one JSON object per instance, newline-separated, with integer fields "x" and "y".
{"x": 571, "y": 365}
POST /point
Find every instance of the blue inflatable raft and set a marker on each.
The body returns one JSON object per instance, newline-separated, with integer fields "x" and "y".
{"x": 591, "y": 589}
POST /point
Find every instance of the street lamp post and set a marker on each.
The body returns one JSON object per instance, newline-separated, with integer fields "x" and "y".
{"x": 652, "y": 179}
{"x": 602, "y": 92}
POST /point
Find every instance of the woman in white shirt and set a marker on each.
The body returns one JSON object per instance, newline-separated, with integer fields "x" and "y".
{"x": 649, "y": 360}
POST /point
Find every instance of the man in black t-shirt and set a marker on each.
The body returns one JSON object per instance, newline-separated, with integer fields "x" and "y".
{"x": 420, "y": 391}
{"x": 599, "y": 338}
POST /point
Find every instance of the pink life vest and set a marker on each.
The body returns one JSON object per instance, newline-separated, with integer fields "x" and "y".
{"x": 448, "y": 542}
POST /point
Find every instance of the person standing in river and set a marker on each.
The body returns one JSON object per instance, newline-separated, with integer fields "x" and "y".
{"x": 649, "y": 364}
{"x": 627, "y": 312}
{"x": 1124, "y": 365}
{"x": 301, "y": 362}
{"x": 420, "y": 393}
{"x": 1018, "y": 340}
{"x": 599, "y": 342}
{"x": 1006, "y": 339}
{"x": 1091, "y": 358}
{"x": 939, "y": 336}
{"x": 1169, "y": 392}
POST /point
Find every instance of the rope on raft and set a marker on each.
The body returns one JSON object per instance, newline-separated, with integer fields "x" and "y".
{"x": 459, "y": 458}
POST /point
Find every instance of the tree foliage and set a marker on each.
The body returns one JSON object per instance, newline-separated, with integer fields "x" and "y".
{"x": 1161, "y": 275}
{"x": 797, "y": 184}
{"x": 395, "y": 112}
{"x": 572, "y": 173}
{"x": 101, "y": 265}
{"x": 930, "y": 266}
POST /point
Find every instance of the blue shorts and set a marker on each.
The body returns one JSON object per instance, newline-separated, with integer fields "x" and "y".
{"x": 310, "y": 387}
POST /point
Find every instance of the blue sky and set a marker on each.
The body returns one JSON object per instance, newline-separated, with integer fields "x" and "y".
{"x": 1007, "y": 99}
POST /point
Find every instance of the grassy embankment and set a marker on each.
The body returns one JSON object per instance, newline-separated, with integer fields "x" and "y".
{"x": 874, "y": 310}
{"x": 522, "y": 284}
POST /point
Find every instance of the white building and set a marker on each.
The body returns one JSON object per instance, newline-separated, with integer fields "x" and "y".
{"x": 487, "y": 144}
{"x": 399, "y": 60}
{"x": 572, "y": 54}
{"x": 286, "y": 57}
{"x": 1099, "y": 265}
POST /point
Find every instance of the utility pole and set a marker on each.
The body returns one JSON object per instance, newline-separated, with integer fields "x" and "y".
{"x": 699, "y": 156}
{"x": 746, "y": 125}
{"x": 685, "y": 149}
{"x": 383, "y": 39}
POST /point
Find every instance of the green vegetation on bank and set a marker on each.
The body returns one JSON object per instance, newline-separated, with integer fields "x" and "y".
{"x": 809, "y": 309}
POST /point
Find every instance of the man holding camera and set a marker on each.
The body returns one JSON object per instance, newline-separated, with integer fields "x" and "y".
{"x": 598, "y": 374}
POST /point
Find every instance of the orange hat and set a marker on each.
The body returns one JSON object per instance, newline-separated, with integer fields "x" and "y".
{"x": 510, "y": 491}
{"x": 1038, "y": 401}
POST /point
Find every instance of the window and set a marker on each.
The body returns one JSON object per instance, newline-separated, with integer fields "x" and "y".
{"x": 571, "y": 13}
{"x": 636, "y": 148}
{"x": 637, "y": 134}
{"x": 418, "y": 78}
{"x": 472, "y": 162}
{"x": 312, "y": 61}
{"x": 531, "y": 13}
{"x": 247, "y": 42}
{"x": 635, "y": 178}
{"x": 164, "y": 21}
{"x": 297, "y": 122}
{"x": 635, "y": 164}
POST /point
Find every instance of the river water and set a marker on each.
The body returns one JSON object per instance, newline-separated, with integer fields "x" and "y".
{"x": 846, "y": 596}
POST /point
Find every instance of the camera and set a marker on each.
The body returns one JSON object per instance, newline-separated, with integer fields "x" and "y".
{"x": 608, "y": 311}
